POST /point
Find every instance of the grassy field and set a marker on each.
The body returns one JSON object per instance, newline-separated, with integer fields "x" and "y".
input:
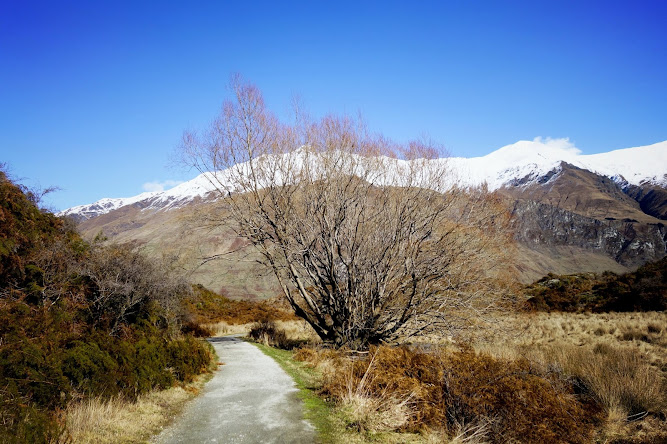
{"x": 612, "y": 367}
{"x": 621, "y": 357}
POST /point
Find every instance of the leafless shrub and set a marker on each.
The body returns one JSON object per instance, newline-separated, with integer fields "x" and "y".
{"x": 370, "y": 241}
{"x": 126, "y": 283}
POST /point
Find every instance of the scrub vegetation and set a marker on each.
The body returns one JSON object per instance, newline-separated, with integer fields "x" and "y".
{"x": 539, "y": 377}
{"x": 81, "y": 321}
{"x": 641, "y": 290}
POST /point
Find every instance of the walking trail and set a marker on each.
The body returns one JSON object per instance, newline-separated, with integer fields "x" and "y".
{"x": 250, "y": 399}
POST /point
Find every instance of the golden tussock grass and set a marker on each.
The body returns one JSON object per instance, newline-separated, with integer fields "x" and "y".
{"x": 364, "y": 408}
{"x": 620, "y": 359}
{"x": 295, "y": 330}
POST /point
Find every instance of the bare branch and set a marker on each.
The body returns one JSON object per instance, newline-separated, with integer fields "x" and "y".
{"x": 371, "y": 241}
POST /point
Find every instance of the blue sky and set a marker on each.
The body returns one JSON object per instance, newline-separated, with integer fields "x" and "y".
{"x": 94, "y": 96}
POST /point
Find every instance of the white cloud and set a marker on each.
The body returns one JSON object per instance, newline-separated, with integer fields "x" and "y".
{"x": 160, "y": 186}
{"x": 562, "y": 144}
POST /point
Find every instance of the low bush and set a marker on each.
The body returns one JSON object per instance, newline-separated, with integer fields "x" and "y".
{"x": 44, "y": 364}
{"x": 641, "y": 290}
{"x": 80, "y": 320}
{"x": 89, "y": 368}
{"x": 188, "y": 357}
{"x": 23, "y": 421}
{"x": 267, "y": 333}
{"x": 404, "y": 389}
{"x": 519, "y": 403}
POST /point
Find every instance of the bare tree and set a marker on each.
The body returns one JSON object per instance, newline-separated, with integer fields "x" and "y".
{"x": 126, "y": 283}
{"x": 370, "y": 241}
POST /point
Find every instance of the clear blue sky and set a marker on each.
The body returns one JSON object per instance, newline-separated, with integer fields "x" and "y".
{"x": 94, "y": 96}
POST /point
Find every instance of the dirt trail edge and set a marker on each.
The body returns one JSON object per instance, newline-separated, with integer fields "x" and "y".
{"x": 250, "y": 399}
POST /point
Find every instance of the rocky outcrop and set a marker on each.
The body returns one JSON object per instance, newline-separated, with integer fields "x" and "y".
{"x": 627, "y": 241}
{"x": 652, "y": 199}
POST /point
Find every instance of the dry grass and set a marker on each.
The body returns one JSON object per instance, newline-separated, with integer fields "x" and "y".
{"x": 295, "y": 330}
{"x": 619, "y": 377}
{"x": 364, "y": 409}
{"x": 619, "y": 358}
{"x": 645, "y": 333}
{"x": 223, "y": 328}
{"x": 364, "y": 412}
{"x": 120, "y": 421}
{"x": 471, "y": 433}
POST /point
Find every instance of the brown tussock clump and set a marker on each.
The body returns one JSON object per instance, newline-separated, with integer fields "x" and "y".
{"x": 465, "y": 393}
{"x": 619, "y": 359}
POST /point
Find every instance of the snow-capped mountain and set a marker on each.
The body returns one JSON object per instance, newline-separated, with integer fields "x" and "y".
{"x": 523, "y": 163}
{"x": 571, "y": 213}
{"x": 535, "y": 159}
{"x": 177, "y": 196}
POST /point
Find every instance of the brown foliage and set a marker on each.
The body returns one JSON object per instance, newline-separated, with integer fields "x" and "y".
{"x": 524, "y": 404}
{"x": 448, "y": 389}
{"x": 204, "y": 306}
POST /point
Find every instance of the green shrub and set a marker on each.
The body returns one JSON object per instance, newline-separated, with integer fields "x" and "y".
{"x": 79, "y": 321}
{"x": 24, "y": 422}
{"x": 188, "y": 357}
{"x": 89, "y": 368}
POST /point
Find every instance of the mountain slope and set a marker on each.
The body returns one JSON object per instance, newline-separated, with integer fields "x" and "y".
{"x": 652, "y": 199}
{"x": 583, "y": 192}
{"x": 573, "y": 213}
{"x": 180, "y": 195}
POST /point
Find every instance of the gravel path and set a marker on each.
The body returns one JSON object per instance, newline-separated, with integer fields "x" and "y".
{"x": 250, "y": 399}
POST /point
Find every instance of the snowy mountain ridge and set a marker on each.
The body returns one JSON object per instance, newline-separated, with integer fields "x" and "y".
{"x": 536, "y": 158}
{"x": 523, "y": 162}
